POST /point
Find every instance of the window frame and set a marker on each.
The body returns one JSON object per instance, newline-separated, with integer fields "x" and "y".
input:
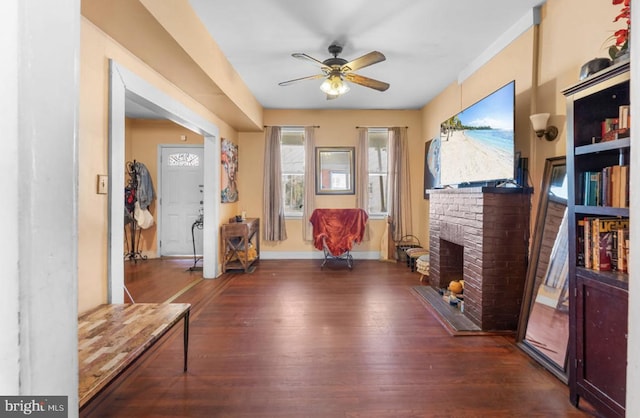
{"x": 288, "y": 214}
{"x": 385, "y": 173}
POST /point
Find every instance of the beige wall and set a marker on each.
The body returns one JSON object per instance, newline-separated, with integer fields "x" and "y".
{"x": 96, "y": 50}
{"x": 337, "y": 128}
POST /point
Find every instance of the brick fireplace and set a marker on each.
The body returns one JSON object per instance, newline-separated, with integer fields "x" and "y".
{"x": 481, "y": 235}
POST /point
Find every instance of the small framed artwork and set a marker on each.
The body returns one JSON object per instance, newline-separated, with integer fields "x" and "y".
{"x": 335, "y": 170}
{"x": 229, "y": 173}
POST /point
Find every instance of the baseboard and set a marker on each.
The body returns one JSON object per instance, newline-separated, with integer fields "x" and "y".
{"x": 315, "y": 255}
{"x": 150, "y": 254}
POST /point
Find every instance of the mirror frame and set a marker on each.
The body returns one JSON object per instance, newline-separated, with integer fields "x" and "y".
{"x": 529, "y": 288}
{"x": 350, "y": 154}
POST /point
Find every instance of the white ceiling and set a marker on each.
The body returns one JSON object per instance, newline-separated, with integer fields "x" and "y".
{"x": 427, "y": 43}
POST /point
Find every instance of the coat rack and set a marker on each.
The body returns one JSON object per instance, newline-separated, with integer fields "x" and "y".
{"x": 130, "y": 197}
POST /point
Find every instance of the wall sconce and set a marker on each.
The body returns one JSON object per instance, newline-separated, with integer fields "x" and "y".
{"x": 539, "y": 124}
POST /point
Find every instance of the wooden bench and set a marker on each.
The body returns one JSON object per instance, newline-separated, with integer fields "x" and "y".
{"x": 111, "y": 337}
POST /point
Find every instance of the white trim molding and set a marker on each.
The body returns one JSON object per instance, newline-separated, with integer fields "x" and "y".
{"x": 126, "y": 86}
{"x": 531, "y": 18}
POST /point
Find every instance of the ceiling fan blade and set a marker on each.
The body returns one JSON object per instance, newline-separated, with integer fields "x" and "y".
{"x": 366, "y": 60}
{"x": 311, "y": 77}
{"x": 367, "y": 82}
{"x": 306, "y": 57}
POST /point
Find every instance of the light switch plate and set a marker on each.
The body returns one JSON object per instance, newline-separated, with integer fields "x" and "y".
{"x": 103, "y": 183}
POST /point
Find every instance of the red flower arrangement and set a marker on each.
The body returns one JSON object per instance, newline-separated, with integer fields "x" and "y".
{"x": 621, "y": 36}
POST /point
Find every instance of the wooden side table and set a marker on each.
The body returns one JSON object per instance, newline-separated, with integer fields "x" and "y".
{"x": 237, "y": 238}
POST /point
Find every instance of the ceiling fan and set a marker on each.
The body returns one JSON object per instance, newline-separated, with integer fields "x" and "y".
{"x": 336, "y": 70}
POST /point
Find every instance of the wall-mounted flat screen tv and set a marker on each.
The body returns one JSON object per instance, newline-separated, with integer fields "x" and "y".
{"x": 476, "y": 146}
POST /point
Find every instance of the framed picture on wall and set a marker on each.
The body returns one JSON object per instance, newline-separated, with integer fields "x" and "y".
{"x": 229, "y": 175}
{"x": 335, "y": 170}
{"x": 431, "y": 166}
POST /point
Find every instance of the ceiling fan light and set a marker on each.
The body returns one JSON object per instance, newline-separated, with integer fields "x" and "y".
{"x": 334, "y": 85}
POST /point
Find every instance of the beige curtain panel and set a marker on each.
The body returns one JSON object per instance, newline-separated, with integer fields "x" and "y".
{"x": 309, "y": 201}
{"x": 399, "y": 183}
{"x": 362, "y": 175}
{"x": 274, "y": 228}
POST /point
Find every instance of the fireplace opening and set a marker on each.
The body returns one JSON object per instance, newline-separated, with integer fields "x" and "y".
{"x": 451, "y": 262}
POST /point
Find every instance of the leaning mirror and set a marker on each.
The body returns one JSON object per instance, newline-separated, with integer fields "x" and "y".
{"x": 335, "y": 170}
{"x": 543, "y": 330}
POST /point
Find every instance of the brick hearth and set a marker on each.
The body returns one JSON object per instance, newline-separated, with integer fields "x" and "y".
{"x": 481, "y": 234}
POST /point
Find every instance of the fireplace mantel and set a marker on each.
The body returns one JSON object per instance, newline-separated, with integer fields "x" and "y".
{"x": 481, "y": 235}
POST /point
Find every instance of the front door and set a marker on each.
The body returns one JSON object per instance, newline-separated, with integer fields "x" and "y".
{"x": 181, "y": 196}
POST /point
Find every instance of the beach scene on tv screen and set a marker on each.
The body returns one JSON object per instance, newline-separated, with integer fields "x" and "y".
{"x": 477, "y": 144}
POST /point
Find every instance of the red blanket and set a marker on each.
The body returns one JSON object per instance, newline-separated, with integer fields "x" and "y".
{"x": 339, "y": 228}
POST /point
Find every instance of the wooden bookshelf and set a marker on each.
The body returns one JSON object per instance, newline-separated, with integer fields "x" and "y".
{"x": 598, "y": 299}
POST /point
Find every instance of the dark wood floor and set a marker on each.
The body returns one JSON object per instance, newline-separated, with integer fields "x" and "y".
{"x": 291, "y": 340}
{"x": 159, "y": 280}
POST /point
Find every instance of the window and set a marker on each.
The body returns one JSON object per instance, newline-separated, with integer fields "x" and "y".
{"x": 378, "y": 163}
{"x": 184, "y": 159}
{"x": 292, "y": 157}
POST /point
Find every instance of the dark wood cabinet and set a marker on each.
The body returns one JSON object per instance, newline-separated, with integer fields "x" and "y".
{"x": 598, "y": 144}
{"x": 601, "y": 343}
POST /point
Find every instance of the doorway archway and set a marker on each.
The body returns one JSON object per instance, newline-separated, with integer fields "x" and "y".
{"x": 125, "y": 86}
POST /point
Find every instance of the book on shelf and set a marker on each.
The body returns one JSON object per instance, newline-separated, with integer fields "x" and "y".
{"x": 604, "y": 241}
{"x": 580, "y": 262}
{"x": 614, "y": 192}
{"x": 583, "y": 246}
{"x": 623, "y": 194}
{"x": 599, "y": 248}
{"x": 591, "y": 185}
{"x": 623, "y": 249}
{"x": 608, "y": 187}
{"x": 605, "y": 187}
{"x": 618, "y": 186}
{"x": 624, "y": 121}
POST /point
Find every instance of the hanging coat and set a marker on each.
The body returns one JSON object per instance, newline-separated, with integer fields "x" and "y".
{"x": 145, "y": 191}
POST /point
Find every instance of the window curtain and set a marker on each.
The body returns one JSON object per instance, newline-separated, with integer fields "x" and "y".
{"x": 399, "y": 183}
{"x": 362, "y": 175}
{"x": 309, "y": 203}
{"x": 273, "y": 228}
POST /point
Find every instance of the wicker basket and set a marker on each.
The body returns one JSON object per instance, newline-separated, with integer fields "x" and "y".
{"x": 406, "y": 242}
